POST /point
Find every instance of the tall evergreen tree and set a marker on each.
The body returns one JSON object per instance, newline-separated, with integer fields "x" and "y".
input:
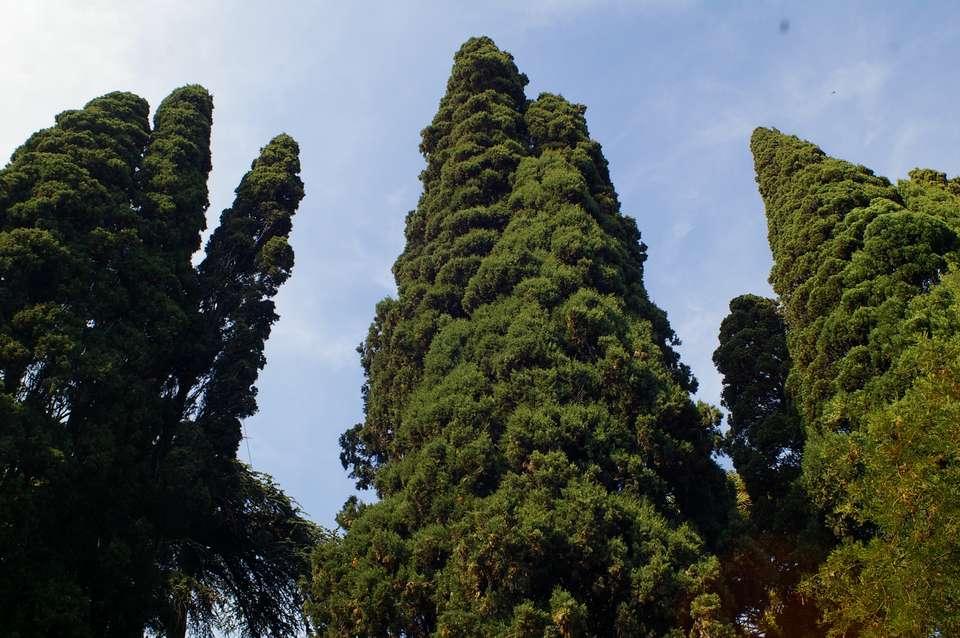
{"x": 238, "y": 546}
{"x": 765, "y": 439}
{"x": 472, "y": 148}
{"x": 67, "y": 213}
{"x": 542, "y": 470}
{"x": 125, "y": 373}
{"x": 778, "y": 538}
{"x": 859, "y": 264}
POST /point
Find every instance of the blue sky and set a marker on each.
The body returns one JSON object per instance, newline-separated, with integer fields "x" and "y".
{"x": 673, "y": 91}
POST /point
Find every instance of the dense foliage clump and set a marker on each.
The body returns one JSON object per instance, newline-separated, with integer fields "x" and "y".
{"x": 540, "y": 465}
{"x": 124, "y": 373}
{"x": 472, "y": 147}
{"x": 776, "y": 537}
{"x": 765, "y": 436}
{"x": 866, "y": 272}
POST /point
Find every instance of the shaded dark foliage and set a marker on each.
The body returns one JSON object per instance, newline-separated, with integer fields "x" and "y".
{"x": 125, "y": 373}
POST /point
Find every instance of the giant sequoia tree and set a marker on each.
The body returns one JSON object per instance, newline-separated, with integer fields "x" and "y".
{"x": 124, "y": 373}
{"x": 866, "y": 273}
{"x": 540, "y": 465}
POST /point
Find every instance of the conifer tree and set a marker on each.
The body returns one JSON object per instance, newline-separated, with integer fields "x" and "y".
{"x": 125, "y": 372}
{"x": 542, "y": 470}
{"x": 777, "y": 538}
{"x": 66, "y": 203}
{"x": 860, "y": 266}
{"x": 765, "y": 439}
{"x": 472, "y": 148}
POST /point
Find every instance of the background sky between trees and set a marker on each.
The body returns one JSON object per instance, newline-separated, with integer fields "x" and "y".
{"x": 673, "y": 90}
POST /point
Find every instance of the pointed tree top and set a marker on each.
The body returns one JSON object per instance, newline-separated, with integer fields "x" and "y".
{"x": 187, "y": 112}
{"x": 479, "y": 66}
{"x": 175, "y": 169}
{"x": 777, "y": 156}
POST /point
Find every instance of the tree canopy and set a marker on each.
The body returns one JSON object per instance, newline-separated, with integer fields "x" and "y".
{"x": 776, "y": 537}
{"x": 125, "y": 374}
{"x": 866, "y": 272}
{"x": 540, "y": 465}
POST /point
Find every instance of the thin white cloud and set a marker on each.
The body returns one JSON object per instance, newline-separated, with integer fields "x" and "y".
{"x": 305, "y": 337}
{"x": 681, "y": 229}
{"x": 544, "y": 13}
{"x": 904, "y": 152}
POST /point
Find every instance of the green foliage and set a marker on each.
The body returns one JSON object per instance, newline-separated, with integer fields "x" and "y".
{"x": 125, "y": 372}
{"x": 903, "y": 580}
{"x": 472, "y": 148}
{"x": 542, "y": 470}
{"x": 860, "y": 266}
{"x": 775, "y": 538}
{"x": 765, "y": 439}
{"x": 818, "y": 210}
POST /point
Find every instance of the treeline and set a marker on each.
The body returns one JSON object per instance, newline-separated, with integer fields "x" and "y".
{"x": 540, "y": 466}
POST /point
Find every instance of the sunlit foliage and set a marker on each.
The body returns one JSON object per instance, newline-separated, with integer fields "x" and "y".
{"x": 541, "y": 467}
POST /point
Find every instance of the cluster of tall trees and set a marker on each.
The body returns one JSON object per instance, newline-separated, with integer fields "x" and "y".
{"x": 539, "y": 465}
{"x": 125, "y": 372}
{"x": 866, "y": 390}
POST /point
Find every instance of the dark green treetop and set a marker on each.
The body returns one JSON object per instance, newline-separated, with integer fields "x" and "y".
{"x": 125, "y": 372}
{"x": 546, "y": 473}
{"x": 174, "y": 172}
{"x": 765, "y": 439}
{"x": 776, "y": 539}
